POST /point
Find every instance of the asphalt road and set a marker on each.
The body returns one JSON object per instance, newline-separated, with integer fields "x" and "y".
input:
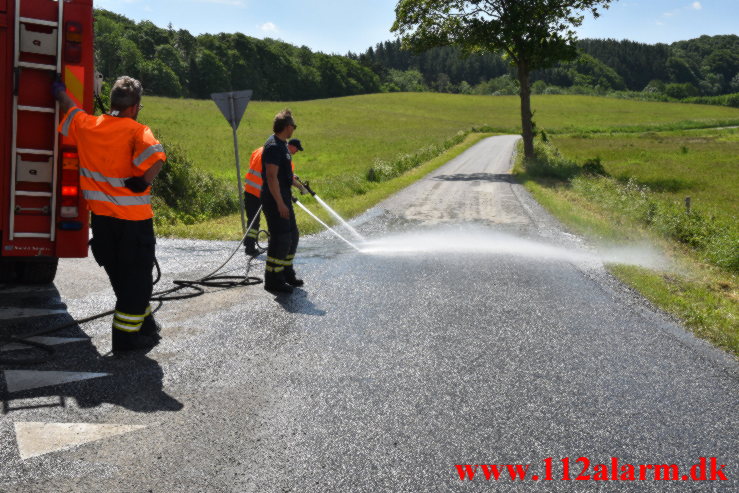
{"x": 471, "y": 330}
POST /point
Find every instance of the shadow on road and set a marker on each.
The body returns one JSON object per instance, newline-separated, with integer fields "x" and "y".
{"x": 489, "y": 177}
{"x": 32, "y": 377}
{"x": 298, "y": 302}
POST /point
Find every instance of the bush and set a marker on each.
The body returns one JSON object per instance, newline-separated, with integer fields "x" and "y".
{"x": 731, "y": 100}
{"x": 714, "y": 240}
{"x": 183, "y": 193}
{"x": 594, "y": 167}
{"x": 681, "y": 91}
{"x": 549, "y": 163}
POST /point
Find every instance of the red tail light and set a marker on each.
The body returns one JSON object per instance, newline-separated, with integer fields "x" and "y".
{"x": 70, "y": 186}
{"x": 70, "y": 191}
{"x": 73, "y": 42}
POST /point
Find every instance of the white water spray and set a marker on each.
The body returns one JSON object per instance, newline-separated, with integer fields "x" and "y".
{"x": 339, "y": 218}
{"x": 327, "y": 226}
{"x": 481, "y": 241}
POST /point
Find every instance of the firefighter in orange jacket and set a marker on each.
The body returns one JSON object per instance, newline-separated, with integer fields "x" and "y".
{"x": 253, "y": 188}
{"x": 119, "y": 158}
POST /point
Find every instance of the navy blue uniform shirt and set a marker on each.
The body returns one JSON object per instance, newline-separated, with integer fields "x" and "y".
{"x": 276, "y": 152}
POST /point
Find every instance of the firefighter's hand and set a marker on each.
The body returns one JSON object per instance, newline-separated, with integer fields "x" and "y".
{"x": 136, "y": 184}
{"x": 57, "y": 87}
{"x": 283, "y": 210}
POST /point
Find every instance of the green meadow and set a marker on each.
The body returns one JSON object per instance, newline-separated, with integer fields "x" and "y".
{"x": 700, "y": 164}
{"x": 344, "y": 136}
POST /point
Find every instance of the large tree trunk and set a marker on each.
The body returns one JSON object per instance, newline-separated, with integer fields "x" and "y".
{"x": 527, "y": 127}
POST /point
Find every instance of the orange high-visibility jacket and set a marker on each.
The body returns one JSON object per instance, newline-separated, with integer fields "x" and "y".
{"x": 253, "y": 178}
{"x": 112, "y": 149}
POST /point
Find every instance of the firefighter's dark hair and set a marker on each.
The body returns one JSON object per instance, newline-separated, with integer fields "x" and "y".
{"x": 282, "y": 120}
{"x": 126, "y": 92}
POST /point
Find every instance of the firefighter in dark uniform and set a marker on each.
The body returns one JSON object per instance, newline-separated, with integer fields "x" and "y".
{"x": 253, "y": 190}
{"x": 119, "y": 158}
{"x": 277, "y": 174}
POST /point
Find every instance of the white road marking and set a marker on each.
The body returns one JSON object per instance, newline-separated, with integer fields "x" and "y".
{"x": 49, "y": 341}
{"x": 36, "y": 438}
{"x": 13, "y": 312}
{"x": 18, "y": 380}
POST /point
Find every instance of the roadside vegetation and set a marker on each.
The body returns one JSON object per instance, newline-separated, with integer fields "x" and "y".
{"x": 626, "y": 188}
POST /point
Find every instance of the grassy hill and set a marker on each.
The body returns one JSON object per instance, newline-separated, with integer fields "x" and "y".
{"x": 344, "y": 136}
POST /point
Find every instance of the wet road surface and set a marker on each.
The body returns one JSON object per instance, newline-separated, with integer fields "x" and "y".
{"x": 473, "y": 331}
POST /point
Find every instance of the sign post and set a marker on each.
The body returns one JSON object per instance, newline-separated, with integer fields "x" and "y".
{"x": 232, "y": 105}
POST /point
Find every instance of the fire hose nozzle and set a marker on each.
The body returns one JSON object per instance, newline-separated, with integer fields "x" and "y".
{"x": 306, "y": 185}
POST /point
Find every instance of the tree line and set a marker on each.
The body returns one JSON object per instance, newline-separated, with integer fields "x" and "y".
{"x": 176, "y": 63}
{"x": 706, "y": 66}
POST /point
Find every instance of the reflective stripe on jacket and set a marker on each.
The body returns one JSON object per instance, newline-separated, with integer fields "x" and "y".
{"x": 112, "y": 149}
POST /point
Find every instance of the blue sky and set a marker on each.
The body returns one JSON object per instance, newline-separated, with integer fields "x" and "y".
{"x": 338, "y": 26}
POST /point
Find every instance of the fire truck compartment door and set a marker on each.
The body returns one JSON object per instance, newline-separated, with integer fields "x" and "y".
{"x": 33, "y": 171}
{"x": 37, "y": 42}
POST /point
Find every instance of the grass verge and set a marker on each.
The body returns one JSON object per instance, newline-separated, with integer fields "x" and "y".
{"x": 702, "y": 295}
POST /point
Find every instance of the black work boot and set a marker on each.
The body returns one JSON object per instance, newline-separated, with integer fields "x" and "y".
{"x": 151, "y": 328}
{"x": 130, "y": 341}
{"x": 250, "y": 247}
{"x": 275, "y": 283}
{"x": 291, "y": 278}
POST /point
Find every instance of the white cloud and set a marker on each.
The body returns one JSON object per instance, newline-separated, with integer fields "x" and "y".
{"x": 693, "y": 6}
{"x": 268, "y": 27}
{"x": 232, "y": 3}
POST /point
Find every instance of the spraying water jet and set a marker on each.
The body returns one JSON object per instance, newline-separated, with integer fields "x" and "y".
{"x": 336, "y": 215}
{"x": 326, "y": 225}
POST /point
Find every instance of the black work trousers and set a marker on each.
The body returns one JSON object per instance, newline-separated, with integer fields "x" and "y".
{"x": 252, "y": 203}
{"x": 283, "y": 238}
{"x": 126, "y": 250}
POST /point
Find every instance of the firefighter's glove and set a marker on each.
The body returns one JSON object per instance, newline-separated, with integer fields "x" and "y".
{"x": 57, "y": 87}
{"x": 136, "y": 184}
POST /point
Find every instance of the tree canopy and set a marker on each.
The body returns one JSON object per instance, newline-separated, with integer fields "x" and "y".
{"x": 533, "y": 34}
{"x": 176, "y": 63}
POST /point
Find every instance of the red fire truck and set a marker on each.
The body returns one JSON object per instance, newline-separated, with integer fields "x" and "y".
{"x": 43, "y": 216}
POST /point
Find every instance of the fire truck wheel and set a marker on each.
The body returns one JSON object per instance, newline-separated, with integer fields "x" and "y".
{"x": 7, "y": 270}
{"x": 38, "y": 271}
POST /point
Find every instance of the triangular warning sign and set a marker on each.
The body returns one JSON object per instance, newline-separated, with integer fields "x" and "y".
{"x": 36, "y": 438}
{"x": 232, "y": 105}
